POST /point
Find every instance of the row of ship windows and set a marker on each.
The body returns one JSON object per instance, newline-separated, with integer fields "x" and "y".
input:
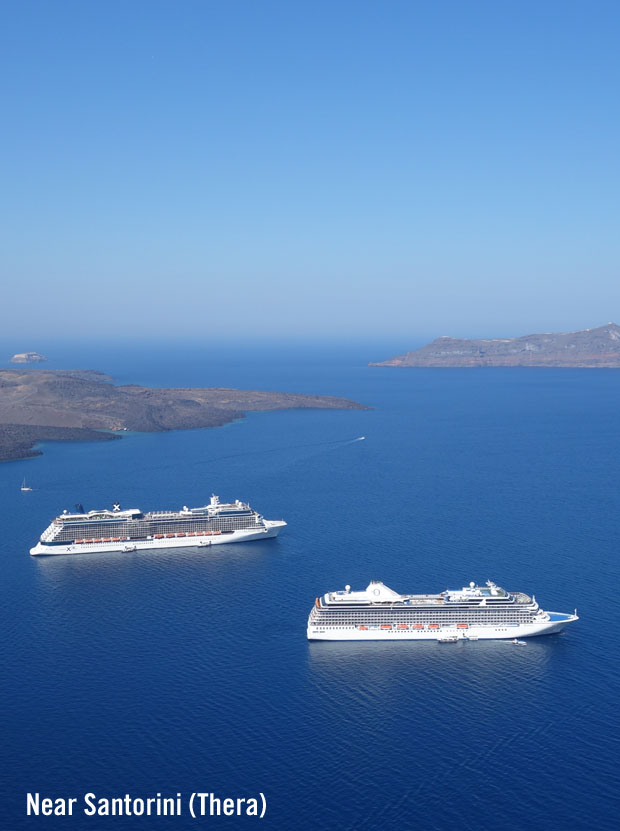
{"x": 152, "y": 528}
{"x": 321, "y": 627}
{"x": 487, "y": 622}
{"x": 393, "y": 627}
{"x": 431, "y": 618}
{"x": 438, "y": 610}
{"x": 417, "y": 612}
{"x": 426, "y": 610}
{"x": 438, "y": 615}
{"x": 249, "y": 520}
{"x": 439, "y": 625}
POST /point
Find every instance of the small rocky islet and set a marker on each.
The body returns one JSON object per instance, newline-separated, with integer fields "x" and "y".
{"x": 27, "y": 358}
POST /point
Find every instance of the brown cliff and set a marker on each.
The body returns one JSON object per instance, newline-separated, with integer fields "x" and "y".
{"x": 589, "y": 348}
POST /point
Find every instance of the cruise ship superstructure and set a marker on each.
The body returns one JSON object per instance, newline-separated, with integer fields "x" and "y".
{"x": 473, "y": 612}
{"x": 131, "y": 530}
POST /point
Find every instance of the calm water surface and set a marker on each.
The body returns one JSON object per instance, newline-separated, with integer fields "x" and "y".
{"x": 189, "y": 671}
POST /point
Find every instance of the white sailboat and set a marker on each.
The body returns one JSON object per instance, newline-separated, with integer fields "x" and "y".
{"x": 25, "y": 486}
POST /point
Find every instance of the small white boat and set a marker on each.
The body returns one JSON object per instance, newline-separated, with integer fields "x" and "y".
{"x": 24, "y": 486}
{"x": 516, "y": 642}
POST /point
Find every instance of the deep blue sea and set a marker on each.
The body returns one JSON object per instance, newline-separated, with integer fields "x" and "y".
{"x": 190, "y": 670}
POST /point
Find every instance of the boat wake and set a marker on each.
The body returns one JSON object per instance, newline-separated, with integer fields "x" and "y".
{"x": 335, "y": 443}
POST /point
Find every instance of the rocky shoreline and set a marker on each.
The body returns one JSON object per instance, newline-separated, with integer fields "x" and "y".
{"x": 17, "y": 441}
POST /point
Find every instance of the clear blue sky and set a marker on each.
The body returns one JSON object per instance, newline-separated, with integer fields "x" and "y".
{"x": 329, "y": 168}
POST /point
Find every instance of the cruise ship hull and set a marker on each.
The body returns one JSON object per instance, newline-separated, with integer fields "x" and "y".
{"x": 270, "y": 529}
{"x": 378, "y": 613}
{"x": 522, "y": 630}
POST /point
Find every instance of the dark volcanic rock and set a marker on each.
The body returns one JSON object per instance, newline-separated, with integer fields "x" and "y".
{"x": 17, "y": 440}
{"x": 590, "y": 348}
{"x": 81, "y": 401}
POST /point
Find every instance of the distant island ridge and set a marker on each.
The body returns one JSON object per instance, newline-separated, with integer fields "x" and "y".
{"x": 72, "y": 405}
{"x": 588, "y": 348}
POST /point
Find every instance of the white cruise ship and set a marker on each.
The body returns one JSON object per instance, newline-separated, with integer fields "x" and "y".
{"x": 471, "y": 613}
{"x": 118, "y": 530}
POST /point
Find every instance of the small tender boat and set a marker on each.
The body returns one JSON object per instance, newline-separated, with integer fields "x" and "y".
{"x": 24, "y": 486}
{"x": 516, "y": 642}
{"x": 447, "y": 639}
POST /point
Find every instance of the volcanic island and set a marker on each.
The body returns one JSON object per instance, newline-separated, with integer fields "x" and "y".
{"x": 588, "y": 348}
{"x": 83, "y": 405}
